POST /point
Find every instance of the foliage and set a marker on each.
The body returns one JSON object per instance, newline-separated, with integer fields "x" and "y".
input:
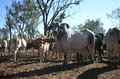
{"x": 54, "y": 9}
{"x": 114, "y": 17}
{"x": 24, "y": 17}
{"x": 4, "y": 33}
{"x": 95, "y": 26}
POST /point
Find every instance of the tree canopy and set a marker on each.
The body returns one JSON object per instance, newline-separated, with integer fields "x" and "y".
{"x": 23, "y": 17}
{"x": 114, "y": 17}
{"x": 54, "y": 9}
{"x": 94, "y": 25}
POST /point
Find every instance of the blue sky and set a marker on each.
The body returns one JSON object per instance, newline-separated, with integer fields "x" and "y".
{"x": 89, "y": 9}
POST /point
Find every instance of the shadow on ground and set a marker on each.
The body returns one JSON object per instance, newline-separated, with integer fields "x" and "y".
{"x": 94, "y": 72}
{"x": 46, "y": 70}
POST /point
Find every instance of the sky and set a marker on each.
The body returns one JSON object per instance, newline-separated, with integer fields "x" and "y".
{"x": 88, "y": 9}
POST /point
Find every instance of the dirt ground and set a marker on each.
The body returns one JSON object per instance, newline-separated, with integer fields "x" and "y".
{"x": 29, "y": 68}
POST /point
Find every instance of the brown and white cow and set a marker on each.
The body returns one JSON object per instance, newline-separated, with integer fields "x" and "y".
{"x": 42, "y": 45}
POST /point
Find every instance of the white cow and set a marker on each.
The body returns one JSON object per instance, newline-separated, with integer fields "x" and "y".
{"x": 17, "y": 43}
{"x": 112, "y": 41}
{"x": 74, "y": 41}
{"x": 3, "y": 46}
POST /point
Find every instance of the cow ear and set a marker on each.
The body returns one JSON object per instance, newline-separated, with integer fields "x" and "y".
{"x": 67, "y": 25}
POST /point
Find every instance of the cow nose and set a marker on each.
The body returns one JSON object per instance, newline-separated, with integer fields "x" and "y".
{"x": 118, "y": 41}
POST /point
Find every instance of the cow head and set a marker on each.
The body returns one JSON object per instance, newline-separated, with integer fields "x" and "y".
{"x": 115, "y": 33}
{"x": 62, "y": 30}
{"x": 54, "y": 26}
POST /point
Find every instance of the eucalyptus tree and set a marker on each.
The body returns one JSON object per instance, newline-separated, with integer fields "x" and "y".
{"x": 114, "y": 17}
{"x": 4, "y": 33}
{"x": 55, "y": 9}
{"x": 25, "y": 17}
{"x": 9, "y": 23}
{"x": 94, "y": 25}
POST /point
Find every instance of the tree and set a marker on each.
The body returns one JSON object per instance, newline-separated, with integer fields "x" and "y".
{"x": 54, "y": 9}
{"x": 33, "y": 15}
{"x": 95, "y": 26}
{"x": 25, "y": 17}
{"x": 9, "y": 23}
{"x": 77, "y": 28}
{"x": 114, "y": 17}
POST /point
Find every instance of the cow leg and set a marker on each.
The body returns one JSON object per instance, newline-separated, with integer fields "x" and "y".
{"x": 39, "y": 54}
{"x": 52, "y": 54}
{"x": 79, "y": 57}
{"x": 95, "y": 52}
{"x": 66, "y": 58}
{"x": 115, "y": 55}
{"x": 102, "y": 51}
{"x": 24, "y": 51}
{"x": 91, "y": 50}
{"x": 118, "y": 56}
{"x": 100, "y": 55}
{"x": 46, "y": 55}
{"x": 60, "y": 55}
{"x": 56, "y": 55}
{"x": 15, "y": 56}
{"x": 33, "y": 52}
{"x": 4, "y": 52}
{"x": 42, "y": 55}
{"x": 109, "y": 53}
{"x": 115, "y": 59}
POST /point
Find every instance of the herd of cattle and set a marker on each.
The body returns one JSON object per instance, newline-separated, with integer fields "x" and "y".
{"x": 83, "y": 42}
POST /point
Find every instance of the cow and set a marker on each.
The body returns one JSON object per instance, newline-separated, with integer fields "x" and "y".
{"x": 98, "y": 45}
{"x": 74, "y": 41}
{"x": 42, "y": 45}
{"x": 53, "y": 27}
{"x": 3, "y": 46}
{"x": 35, "y": 43}
{"x": 17, "y": 43}
{"x": 112, "y": 41}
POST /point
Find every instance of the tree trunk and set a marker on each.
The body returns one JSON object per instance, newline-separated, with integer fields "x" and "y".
{"x": 10, "y": 34}
{"x": 45, "y": 29}
{"x": 10, "y": 37}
